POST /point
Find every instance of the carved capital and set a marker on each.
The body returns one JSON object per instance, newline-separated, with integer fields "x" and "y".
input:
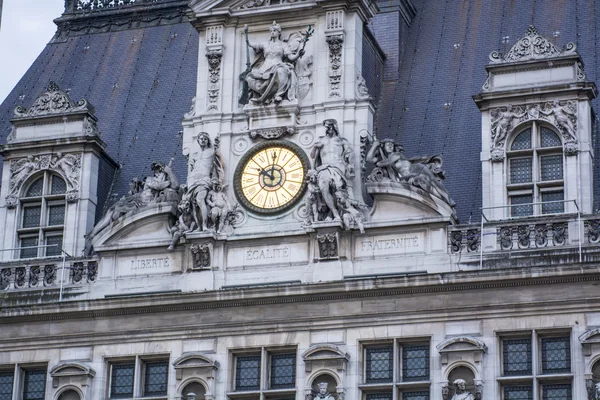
{"x": 328, "y": 246}
{"x": 497, "y": 155}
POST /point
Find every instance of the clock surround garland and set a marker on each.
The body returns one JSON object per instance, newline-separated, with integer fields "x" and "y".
{"x": 271, "y": 177}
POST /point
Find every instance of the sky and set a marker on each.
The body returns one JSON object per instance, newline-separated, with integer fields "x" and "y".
{"x": 25, "y": 29}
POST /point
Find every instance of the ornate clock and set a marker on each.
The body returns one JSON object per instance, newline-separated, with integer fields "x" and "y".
{"x": 270, "y": 176}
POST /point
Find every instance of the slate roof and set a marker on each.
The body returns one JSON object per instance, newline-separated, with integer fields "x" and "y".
{"x": 142, "y": 79}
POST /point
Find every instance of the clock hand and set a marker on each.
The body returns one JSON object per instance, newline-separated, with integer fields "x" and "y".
{"x": 273, "y": 165}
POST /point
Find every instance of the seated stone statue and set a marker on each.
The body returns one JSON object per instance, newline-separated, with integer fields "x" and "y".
{"x": 461, "y": 392}
{"x": 392, "y": 165}
{"x": 185, "y": 221}
{"x": 162, "y": 186}
{"x": 323, "y": 393}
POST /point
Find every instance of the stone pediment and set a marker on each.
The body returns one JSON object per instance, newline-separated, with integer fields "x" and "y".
{"x": 195, "y": 360}
{"x": 320, "y": 352}
{"x": 146, "y": 227}
{"x": 71, "y": 369}
{"x": 590, "y": 336}
{"x": 53, "y": 102}
{"x": 461, "y": 344}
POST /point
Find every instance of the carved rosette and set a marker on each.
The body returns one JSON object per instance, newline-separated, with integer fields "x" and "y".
{"x": 201, "y": 256}
{"x": 214, "y": 57}
{"x": 336, "y": 44}
{"x": 52, "y": 101}
{"x": 328, "y": 246}
{"x": 532, "y": 46}
{"x": 273, "y": 133}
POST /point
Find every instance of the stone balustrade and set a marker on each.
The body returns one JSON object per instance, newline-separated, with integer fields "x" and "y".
{"x": 47, "y": 275}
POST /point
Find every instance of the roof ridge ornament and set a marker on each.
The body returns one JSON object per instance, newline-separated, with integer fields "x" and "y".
{"x": 532, "y": 46}
{"x": 53, "y": 101}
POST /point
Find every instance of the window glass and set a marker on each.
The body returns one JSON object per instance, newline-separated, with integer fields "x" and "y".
{"x": 283, "y": 371}
{"x": 379, "y": 396}
{"x": 522, "y": 141}
{"x": 415, "y": 363}
{"x": 6, "y": 385}
{"x": 520, "y": 170}
{"x": 521, "y": 210}
{"x": 155, "y": 382}
{"x": 549, "y": 138}
{"x": 55, "y": 241}
{"x": 516, "y": 357}
{"x": 31, "y": 216}
{"x": 58, "y": 185}
{"x": 247, "y": 373}
{"x": 553, "y": 208}
{"x": 556, "y": 392}
{"x": 415, "y": 396}
{"x": 30, "y": 242}
{"x": 518, "y": 393}
{"x": 56, "y": 215}
{"x": 34, "y": 385}
{"x": 121, "y": 381}
{"x": 551, "y": 167}
{"x": 36, "y": 188}
{"x": 380, "y": 365}
{"x": 556, "y": 355}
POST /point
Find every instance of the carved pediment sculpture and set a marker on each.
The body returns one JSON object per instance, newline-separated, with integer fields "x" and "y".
{"x": 266, "y": 3}
{"x": 273, "y": 77}
{"x": 53, "y": 101}
{"x": 532, "y": 46}
{"x": 330, "y": 194}
{"x": 505, "y": 119}
{"x": 163, "y": 186}
{"x": 391, "y": 165}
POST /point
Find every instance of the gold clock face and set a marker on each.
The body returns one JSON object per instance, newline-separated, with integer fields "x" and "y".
{"x": 270, "y": 177}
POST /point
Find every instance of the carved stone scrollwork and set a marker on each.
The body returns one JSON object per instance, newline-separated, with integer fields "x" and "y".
{"x": 362, "y": 91}
{"x": 364, "y": 144}
{"x": 20, "y": 274}
{"x": 336, "y": 44}
{"x": 328, "y": 246}
{"x": 465, "y": 239}
{"x": 201, "y": 255}
{"x": 52, "y": 101}
{"x": 77, "y": 272}
{"x": 5, "y": 275}
{"x": 559, "y": 234}
{"x": 579, "y": 72}
{"x": 541, "y": 235}
{"x": 92, "y": 271}
{"x": 505, "y": 238}
{"x": 272, "y": 133}
{"x": 214, "y": 57}
{"x": 523, "y": 236}
{"x": 562, "y": 115}
{"x": 532, "y": 46}
{"x": 34, "y": 276}
{"x": 49, "y": 274}
{"x": 593, "y": 230}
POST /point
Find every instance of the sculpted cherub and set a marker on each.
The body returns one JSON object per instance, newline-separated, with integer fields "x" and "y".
{"x": 185, "y": 223}
{"x": 218, "y": 205}
{"x": 351, "y": 215}
{"x": 312, "y": 196}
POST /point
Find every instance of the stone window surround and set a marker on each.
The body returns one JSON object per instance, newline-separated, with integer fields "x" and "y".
{"x": 46, "y": 200}
{"x": 536, "y": 187}
{"x": 139, "y": 362}
{"x": 536, "y": 379}
{"x": 264, "y": 373}
{"x": 19, "y": 371}
{"x": 396, "y": 383}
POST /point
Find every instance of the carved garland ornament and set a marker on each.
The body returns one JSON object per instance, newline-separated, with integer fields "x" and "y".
{"x": 532, "y": 46}
{"x": 335, "y": 43}
{"x": 68, "y": 166}
{"x": 328, "y": 246}
{"x": 562, "y": 115}
{"x": 201, "y": 255}
{"x": 52, "y": 101}
{"x": 214, "y": 77}
{"x": 266, "y": 3}
{"x": 272, "y": 133}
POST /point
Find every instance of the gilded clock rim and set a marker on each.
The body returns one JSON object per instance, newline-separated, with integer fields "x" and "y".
{"x": 237, "y": 178}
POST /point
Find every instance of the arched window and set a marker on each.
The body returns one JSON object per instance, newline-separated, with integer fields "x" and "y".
{"x": 535, "y": 172}
{"x": 69, "y": 395}
{"x": 42, "y": 220}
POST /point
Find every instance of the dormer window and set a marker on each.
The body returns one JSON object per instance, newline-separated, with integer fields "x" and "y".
{"x": 42, "y": 220}
{"x": 535, "y": 172}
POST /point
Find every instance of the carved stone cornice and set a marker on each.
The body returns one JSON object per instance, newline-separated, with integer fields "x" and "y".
{"x": 532, "y": 46}
{"x": 53, "y": 102}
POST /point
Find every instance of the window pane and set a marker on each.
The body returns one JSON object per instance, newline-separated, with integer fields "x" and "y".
{"x": 556, "y": 355}
{"x": 552, "y": 208}
{"x": 6, "y": 385}
{"x": 379, "y": 396}
{"x": 517, "y": 357}
{"x": 549, "y": 138}
{"x": 155, "y": 382}
{"x": 247, "y": 373}
{"x": 35, "y": 189}
{"x": 56, "y": 242}
{"x": 520, "y": 170}
{"x": 56, "y": 215}
{"x": 524, "y": 210}
{"x": 551, "y": 167}
{"x": 518, "y": 393}
{"x": 29, "y": 242}
{"x": 58, "y": 185}
{"x": 522, "y": 141}
{"x": 415, "y": 396}
{"x": 31, "y": 216}
{"x": 556, "y": 392}
{"x": 121, "y": 381}
{"x": 415, "y": 363}
{"x": 283, "y": 371}
{"x": 380, "y": 365}
{"x": 34, "y": 385}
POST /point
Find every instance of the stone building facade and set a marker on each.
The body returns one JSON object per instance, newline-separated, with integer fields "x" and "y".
{"x": 303, "y": 230}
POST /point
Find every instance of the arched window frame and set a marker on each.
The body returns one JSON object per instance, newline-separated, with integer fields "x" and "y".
{"x": 50, "y": 204}
{"x": 544, "y": 192}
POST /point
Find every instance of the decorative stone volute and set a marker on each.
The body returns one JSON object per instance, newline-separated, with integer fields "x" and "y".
{"x": 53, "y": 101}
